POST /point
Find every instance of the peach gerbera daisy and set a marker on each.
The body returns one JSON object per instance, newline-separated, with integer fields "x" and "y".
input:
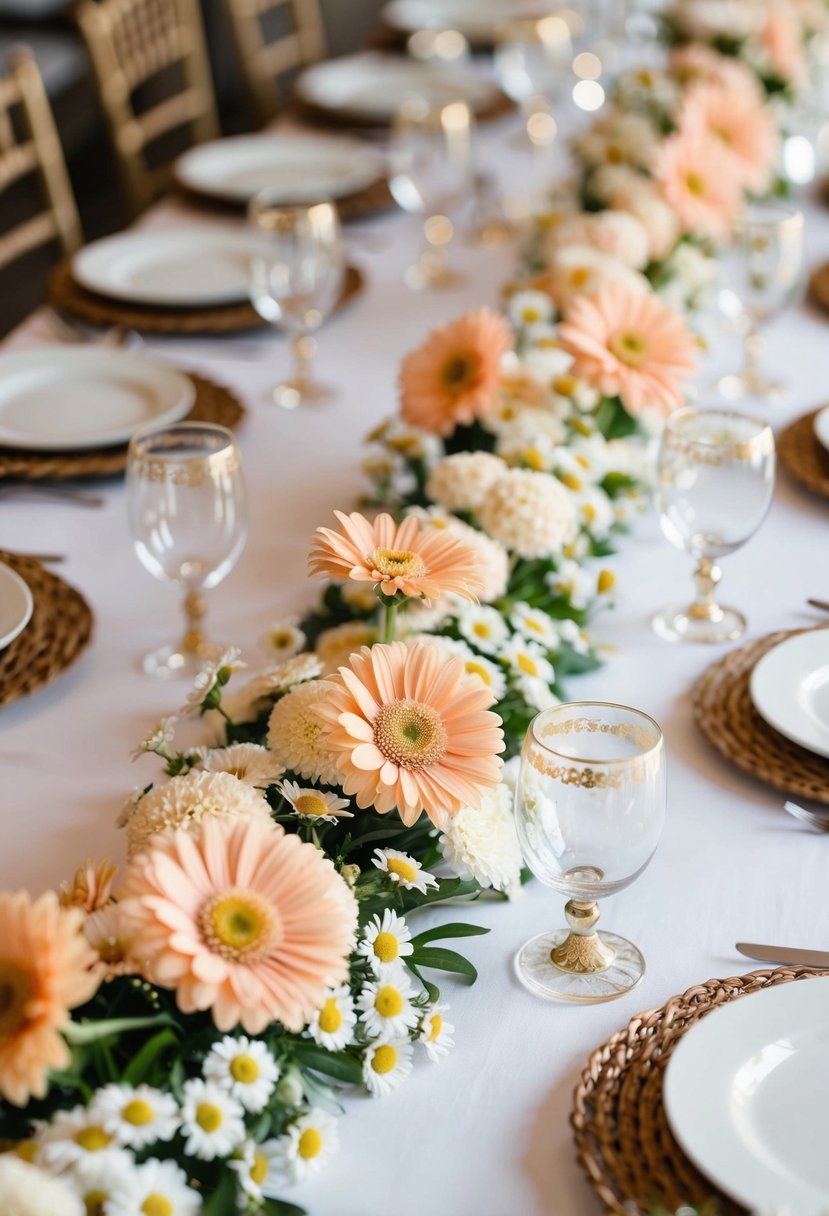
{"x": 699, "y": 182}
{"x": 452, "y": 377}
{"x": 45, "y": 971}
{"x": 696, "y": 62}
{"x": 400, "y": 559}
{"x": 245, "y": 921}
{"x": 91, "y": 888}
{"x": 413, "y": 731}
{"x": 632, "y": 345}
{"x": 743, "y": 125}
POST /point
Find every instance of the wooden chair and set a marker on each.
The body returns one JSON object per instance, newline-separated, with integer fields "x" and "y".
{"x": 149, "y": 60}
{"x": 272, "y": 38}
{"x": 29, "y": 144}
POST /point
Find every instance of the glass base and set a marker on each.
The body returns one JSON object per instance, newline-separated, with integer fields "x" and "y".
{"x": 536, "y": 970}
{"x": 750, "y": 384}
{"x": 424, "y": 275}
{"x": 679, "y": 625}
{"x": 293, "y": 393}
{"x": 172, "y": 662}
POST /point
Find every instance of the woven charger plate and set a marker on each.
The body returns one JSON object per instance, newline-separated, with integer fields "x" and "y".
{"x": 376, "y": 196}
{"x": 68, "y": 296}
{"x": 819, "y": 286}
{"x": 623, "y": 1140}
{"x": 725, "y": 713}
{"x": 213, "y": 404}
{"x": 324, "y": 117}
{"x": 58, "y": 632}
{"x": 804, "y": 455}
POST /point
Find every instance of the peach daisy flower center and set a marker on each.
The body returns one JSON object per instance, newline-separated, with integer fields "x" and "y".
{"x": 460, "y": 370}
{"x": 630, "y": 346}
{"x": 239, "y": 925}
{"x": 696, "y": 183}
{"x": 410, "y": 734}
{"x": 15, "y": 990}
{"x": 397, "y": 563}
{"x": 579, "y": 275}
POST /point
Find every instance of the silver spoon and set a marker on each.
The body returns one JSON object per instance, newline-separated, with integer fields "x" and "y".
{"x": 819, "y": 822}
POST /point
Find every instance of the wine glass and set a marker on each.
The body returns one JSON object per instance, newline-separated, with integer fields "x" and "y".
{"x": 297, "y": 273}
{"x": 431, "y": 170}
{"x": 532, "y": 64}
{"x": 589, "y": 808}
{"x": 714, "y": 486}
{"x": 187, "y": 512}
{"x": 764, "y": 269}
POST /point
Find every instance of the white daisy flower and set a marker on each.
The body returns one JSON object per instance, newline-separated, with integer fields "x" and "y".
{"x": 534, "y": 625}
{"x": 101, "y": 1180}
{"x": 526, "y": 658}
{"x": 243, "y": 1068}
{"x": 385, "y": 941}
{"x": 250, "y": 762}
{"x": 211, "y": 1119}
{"x": 332, "y": 1026}
{"x": 319, "y": 805}
{"x": 436, "y": 1033}
{"x": 482, "y": 843}
{"x": 526, "y": 308}
{"x": 73, "y": 1138}
{"x": 208, "y": 678}
{"x": 307, "y": 1144}
{"x": 282, "y": 639}
{"x": 386, "y": 1065}
{"x": 386, "y": 1009}
{"x": 537, "y": 693}
{"x": 483, "y": 627}
{"x": 404, "y": 870}
{"x": 155, "y": 1187}
{"x": 158, "y": 739}
{"x": 476, "y": 665}
{"x": 574, "y": 636}
{"x": 135, "y": 1117}
{"x": 574, "y": 581}
{"x": 259, "y": 1167}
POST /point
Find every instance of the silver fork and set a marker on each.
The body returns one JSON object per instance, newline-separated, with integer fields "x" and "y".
{"x": 51, "y": 490}
{"x": 68, "y": 331}
{"x": 817, "y": 821}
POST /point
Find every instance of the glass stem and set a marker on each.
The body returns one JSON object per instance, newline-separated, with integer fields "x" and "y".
{"x": 706, "y": 580}
{"x": 752, "y": 348}
{"x": 193, "y": 641}
{"x": 303, "y": 349}
{"x": 582, "y": 951}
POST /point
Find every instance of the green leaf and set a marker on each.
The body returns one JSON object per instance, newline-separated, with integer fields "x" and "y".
{"x": 221, "y": 1200}
{"x": 332, "y": 1063}
{"x": 432, "y": 989}
{"x": 78, "y": 1033}
{"x": 457, "y": 929}
{"x": 448, "y": 888}
{"x": 139, "y": 1067}
{"x": 443, "y": 960}
{"x": 280, "y": 1207}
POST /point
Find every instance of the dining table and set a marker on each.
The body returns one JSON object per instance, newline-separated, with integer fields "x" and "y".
{"x": 486, "y": 1131}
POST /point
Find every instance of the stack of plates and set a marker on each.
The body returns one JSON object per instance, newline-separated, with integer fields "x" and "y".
{"x": 790, "y": 690}
{"x": 15, "y": 605}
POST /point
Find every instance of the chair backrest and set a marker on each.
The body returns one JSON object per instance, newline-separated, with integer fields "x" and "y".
{"x": 149, "y": 59}
{"x": 272, "y": 38}
{"x": 29, "y": 144}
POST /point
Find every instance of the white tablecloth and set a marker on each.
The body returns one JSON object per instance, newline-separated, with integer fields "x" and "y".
{"x": 486, "y": 1132}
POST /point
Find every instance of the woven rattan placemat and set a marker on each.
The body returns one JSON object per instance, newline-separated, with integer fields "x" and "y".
{"x": 623, "y": 1140}
{"x": 726, "y": 716}
{"x": 309, "y": 111}
{"x": 374, "y": 197}
{"x": 214, "y": 403}
{"x": 58, "y": 632}
{"x": 67, "y": 296}
{"x": 804, "y": 455}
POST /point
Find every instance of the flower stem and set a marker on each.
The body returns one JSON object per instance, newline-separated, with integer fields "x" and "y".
{"x": 389, "y": 614}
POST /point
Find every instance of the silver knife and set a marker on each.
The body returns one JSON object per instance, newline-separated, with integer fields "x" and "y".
{"x": 784, "y": 954}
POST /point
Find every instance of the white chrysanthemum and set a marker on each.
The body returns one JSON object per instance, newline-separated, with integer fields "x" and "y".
{"x": 385, "y": 1066}
{"x": 526, "y": 658}
{"x": 158, "y": 739}
{"x": 26, "y": 1191}
{"x": 385, "y": 941}
{"x": 294, "y": 735}
{"x": 403, "y": 870}
{"x": 618, "y": 138}
{"x": 259, "y": 1167}
{"x": 529, "y": 308}
{"x": 577, "y": 270}
{"x": 436, "y": 1033}
{"x": 484, "y": 627}
{"x": 135, "y": 1117}
{"x": 335, "y": 646}
{"x": 461, "y": 482}
{"x": 212, "y": 1120}
{"x": 386, "y": 1009}
{"x": 617, "y": 233}
{"x": 535, "y": 625}
{"x": 482, "y": 843}
{"x": 493, "y": 561}
{"x": 332, "y": 1026}
{"x": 530, "y": 513}
{"x": 320, "y": 805}
{"x": 249, "y": 762}
{"x": 282, "y": 639}
{"x": 73, "y": 1138}
{"x": 185, "y": 801}
{"x": 243, "y": 1068}
{"x": 208, "y": 677}
{"x": 307, "y": 1144}
{"x": 102, "y": 1179}
{"x": 155, "y": 1187}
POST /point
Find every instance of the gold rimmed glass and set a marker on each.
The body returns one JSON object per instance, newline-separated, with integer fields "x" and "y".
{"x": 715, "y": 481}
{"x": 297, "y": 275}
{"x": 589, "y": 808}
{"x": 187, "y": 512}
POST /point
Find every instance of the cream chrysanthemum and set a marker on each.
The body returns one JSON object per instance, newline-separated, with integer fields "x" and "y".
{"x": 28, "y": 1191}
{"x": 461, "y": 481}
{"x": 295, "y": 734}
{"x": 336, "y": 645}
{"x": 186, "y": 802}
{"x": 483, "y": 844}
{"x": 251, "y": 763}
{"x": 529, "y": 513}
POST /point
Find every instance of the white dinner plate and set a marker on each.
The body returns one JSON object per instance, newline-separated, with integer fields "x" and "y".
{"x": 15, "y": 605}
{"x": 477, "y": 20}
{"x": 195, "y": 267}
{"x": 746, "y": 1096}
{"x": 790, "y": 689}
{"x": 296, "y": 168}
{"x": 821, "y": 427}
{"x": 373, "y": 86}
{"x": 63, "y": 398}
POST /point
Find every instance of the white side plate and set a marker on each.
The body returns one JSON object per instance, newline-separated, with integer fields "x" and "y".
{"x": 295, "y": 168}
{"x": 821, "y": 427}
{"x": 790, "y": 689}
{"x": 15, "y": 605}
{"x": 746, "y": 1096}
{"x": 477, "y": 20}
{"x": 63, "y": 398}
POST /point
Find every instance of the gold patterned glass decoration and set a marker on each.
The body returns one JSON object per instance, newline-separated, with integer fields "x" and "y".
{"x": 187, "y": 512}
{"x": 715, "y": 481}
{"x": 297, "y": 276}
{"x": 589, "y": 808}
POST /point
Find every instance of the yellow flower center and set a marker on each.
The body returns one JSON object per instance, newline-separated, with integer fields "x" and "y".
{"x": 571, "y": 481}
{"x": 396, "y": 563}
{"x": 92, "y": 1138}
{"x": 530, "y": 315}
{"x": 157, "y": 1205}
{"x": 589, "y": 512}
{"x": 583, "y": 461}
{"x": 384, "y": 1059}
{"x": 565, "y": 386}
{"x": 310, "y": 1144}
{"x": 477, "y": 669}
{"x": 15, "y": 991}
{"x": 313, "y": 805}
{"x": 645, "y": 78}
{"x": 410, "y": 734}
{"x": 527, "y": 665}
{"x": 578, "y": 424}
{"x": 209, "y": 1117}
{"x": 536, "y": 626}
{"x": 281, "y": 638}
{"x": 403, "y": 869}
{"x": 695, "y": 183}
{"x": 259, "y": 1169}
{"x": 26, "y": 1150}
{"x": 629, "y": 346}
{"x": 481, "y": 630}
{"x": 723, "y": 134}
{"x": 579, "y": 275}
{"x": 549, "y": 219}
{"x": 605, "y": 581}
{"x": 614, "y": 155}
{"x": 331, "y": 1018}
{"x": 435, "y": 1028}
{"x": 459, "y": 371}
{"x": 94, "y": 1202}
{"x": 533, "y": 459}
{"x": 388, "y": 1002}
{"x": 239, "y": 925}
{"x": 243, "y": 1068}
{"x": 385, "y": 947}
{"x": 138, "y": 1112}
